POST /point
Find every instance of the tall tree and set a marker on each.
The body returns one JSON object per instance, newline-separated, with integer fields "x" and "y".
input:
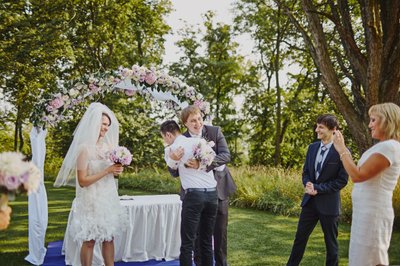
{"x": 32, "y": 50}
{"x": 279, "y": 106}
{"x": 44, "y": 43}
{"x": 217, "y": 71}
{"x": 355, "y": 46}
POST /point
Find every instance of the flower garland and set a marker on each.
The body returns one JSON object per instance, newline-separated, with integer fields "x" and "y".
{"x": 145, "y": 81}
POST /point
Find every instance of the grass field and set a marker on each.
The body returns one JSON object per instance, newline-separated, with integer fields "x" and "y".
{"x": 256, "y": 238}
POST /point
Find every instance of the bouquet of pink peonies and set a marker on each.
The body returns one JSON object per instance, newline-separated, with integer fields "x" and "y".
{"x": 204, "y": 153}
{"x": 16, "y": 176}
{"x": 121, "y": 155}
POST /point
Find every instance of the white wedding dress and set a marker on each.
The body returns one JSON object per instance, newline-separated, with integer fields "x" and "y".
{"x": 96, "y": 212}
{"x": 373, "y": 215}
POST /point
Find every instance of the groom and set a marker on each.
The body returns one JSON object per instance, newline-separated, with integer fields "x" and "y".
{"x": 199, "y": 203}
{"x": 192, "y": 118}
{"x": 323, "y": 178}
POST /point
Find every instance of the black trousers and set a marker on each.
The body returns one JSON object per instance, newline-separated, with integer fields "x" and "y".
{"x": 199, "y": 210}
{"x": 309, "y": 218}
{"x": 220, "y": 236}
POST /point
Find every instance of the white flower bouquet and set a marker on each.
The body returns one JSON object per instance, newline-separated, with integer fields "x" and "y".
{"x": 16, "y": 176}
{"x": 204, "y": 153}
{"x": 121, "y": 155}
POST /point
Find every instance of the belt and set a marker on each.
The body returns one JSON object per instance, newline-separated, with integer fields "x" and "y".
{"x": 200, "y": 189}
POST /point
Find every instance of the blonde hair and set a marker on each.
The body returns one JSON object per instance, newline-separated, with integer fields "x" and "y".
{"x": 389, "y": 119}
{"x": 189, "y": 110}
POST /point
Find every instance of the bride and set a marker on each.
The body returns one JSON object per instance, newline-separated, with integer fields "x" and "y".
{"x": 97, "y": 213}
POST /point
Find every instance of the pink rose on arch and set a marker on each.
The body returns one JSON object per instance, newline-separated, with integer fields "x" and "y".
{"x": 57, "y": 103}
{"x": 150, "y": 77}
{"x": 129, "y": 92}
{"x": 93, "y": 88}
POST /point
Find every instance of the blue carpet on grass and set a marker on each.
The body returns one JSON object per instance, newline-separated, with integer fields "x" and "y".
{"x": 54, "y": 258}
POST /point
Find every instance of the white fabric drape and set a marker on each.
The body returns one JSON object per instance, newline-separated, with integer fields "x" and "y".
{"x": 37, "y": 202}
{"x": 126, "y": 84}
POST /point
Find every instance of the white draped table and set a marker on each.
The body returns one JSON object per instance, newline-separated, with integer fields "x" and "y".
{"x": 153, "y": 231}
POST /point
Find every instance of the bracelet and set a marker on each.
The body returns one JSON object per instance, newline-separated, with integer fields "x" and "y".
{"x": 343, "y": 154}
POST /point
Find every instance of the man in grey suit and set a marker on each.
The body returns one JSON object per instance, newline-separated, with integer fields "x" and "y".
{"x": 192, "y": 118}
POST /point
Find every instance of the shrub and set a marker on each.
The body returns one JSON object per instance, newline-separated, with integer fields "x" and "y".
{"x": 273, "y": 189}
{"x": 151, "y": 180}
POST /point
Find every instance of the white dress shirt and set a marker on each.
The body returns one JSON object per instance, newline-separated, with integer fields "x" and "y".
{"x": 190, "y": 178}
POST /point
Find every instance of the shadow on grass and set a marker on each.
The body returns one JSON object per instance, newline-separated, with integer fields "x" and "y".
{"x": 259, "y": 238}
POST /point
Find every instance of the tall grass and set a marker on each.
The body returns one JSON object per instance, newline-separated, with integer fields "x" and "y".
{"x": 280, "y": 191}
{"x": 272, "y": 189}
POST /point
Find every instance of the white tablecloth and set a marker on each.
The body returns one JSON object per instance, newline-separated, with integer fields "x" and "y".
{"x": 153, "y": 231}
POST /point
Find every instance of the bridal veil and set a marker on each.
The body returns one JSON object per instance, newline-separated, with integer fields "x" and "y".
{"x": 86, "y": 135}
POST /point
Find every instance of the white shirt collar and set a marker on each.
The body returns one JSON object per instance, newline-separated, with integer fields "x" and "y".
{"x": 195, "y": 135}
{"x": 327, "y": 146}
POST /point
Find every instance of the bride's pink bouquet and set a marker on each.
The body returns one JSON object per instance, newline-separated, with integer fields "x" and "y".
{"x": 204, "y": 153}
{"x": 121, "y": 155}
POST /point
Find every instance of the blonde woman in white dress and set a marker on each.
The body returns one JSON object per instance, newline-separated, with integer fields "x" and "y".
{"x": 375, "y": 177}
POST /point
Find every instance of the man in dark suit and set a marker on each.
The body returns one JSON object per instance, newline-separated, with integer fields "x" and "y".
{"x": 323, "y": 178}
{"x": 192, "y": 118}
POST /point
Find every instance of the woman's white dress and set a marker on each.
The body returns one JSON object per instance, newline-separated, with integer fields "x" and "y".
{"x": 96, "y": 212}
{"x": 373, "y": 215}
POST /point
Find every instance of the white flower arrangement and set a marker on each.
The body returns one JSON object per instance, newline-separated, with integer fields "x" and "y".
{"x": 17, "y": 175}
{"x": 204, "y": 153}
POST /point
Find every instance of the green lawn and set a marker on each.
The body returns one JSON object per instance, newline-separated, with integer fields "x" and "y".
{"x": 255, "y": 237}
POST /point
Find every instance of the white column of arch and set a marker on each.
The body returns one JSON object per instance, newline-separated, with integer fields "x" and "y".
{"x": 37, "y": 202}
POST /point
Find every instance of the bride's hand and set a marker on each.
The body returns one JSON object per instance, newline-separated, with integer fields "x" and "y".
{"x": 115, "y": 169}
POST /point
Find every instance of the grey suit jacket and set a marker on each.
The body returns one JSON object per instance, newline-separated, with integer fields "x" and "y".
{"x": 225, "y": 184}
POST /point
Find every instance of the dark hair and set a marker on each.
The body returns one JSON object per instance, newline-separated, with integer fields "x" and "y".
{"x": 330, "y": 121}
{"x": 109, "y": 118}
{"x": 169, "y": 126}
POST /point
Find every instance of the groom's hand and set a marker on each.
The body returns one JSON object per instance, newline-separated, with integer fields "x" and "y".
{"x": 309, "y": 189}
{"x": 193, "y": 163}
{"x": 177, "y": 154}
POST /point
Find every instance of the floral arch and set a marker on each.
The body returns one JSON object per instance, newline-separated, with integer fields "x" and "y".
{"x": 53, "y": 108}
{"x": 147, "y": 82}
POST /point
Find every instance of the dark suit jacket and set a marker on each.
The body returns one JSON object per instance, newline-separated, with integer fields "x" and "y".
{"x": 332, "y": 179}
{"x": 225, "y": 184}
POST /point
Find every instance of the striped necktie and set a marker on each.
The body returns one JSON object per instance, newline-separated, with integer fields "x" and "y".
{"x": 321, "y": 156}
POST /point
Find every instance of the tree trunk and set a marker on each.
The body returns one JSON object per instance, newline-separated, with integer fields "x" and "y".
{"x": 371, "y": 66}
{"x": 16, "y": 135}
{"x": 21, "y": 137}
{"x": 357, "y": 123}
{"x": 278, "y": 128}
